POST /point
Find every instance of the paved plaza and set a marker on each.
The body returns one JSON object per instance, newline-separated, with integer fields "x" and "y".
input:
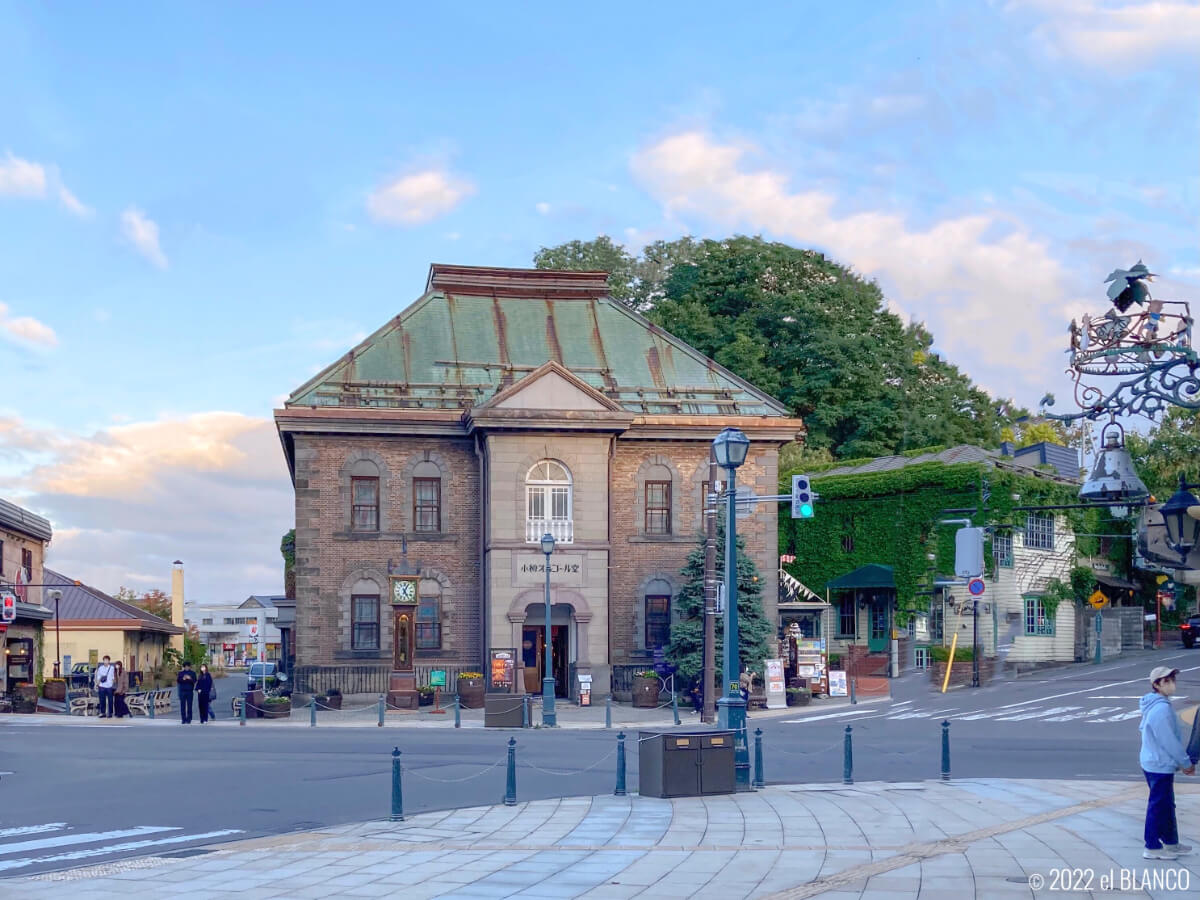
{"x": 979, "y": 838}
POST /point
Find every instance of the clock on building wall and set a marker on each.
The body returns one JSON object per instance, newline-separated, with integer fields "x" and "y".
{"x": 404, "y": 590}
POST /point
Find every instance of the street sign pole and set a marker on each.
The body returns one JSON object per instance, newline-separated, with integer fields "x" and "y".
{"x": 1099, "y": 635}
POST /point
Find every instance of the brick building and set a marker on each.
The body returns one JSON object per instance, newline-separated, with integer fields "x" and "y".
{"x": 503, "y": 404}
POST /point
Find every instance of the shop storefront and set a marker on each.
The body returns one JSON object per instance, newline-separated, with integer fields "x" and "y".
{"x": 21, "y": 641}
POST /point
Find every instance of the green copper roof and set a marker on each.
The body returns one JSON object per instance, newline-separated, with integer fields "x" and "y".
{"x": 451, "y": 350}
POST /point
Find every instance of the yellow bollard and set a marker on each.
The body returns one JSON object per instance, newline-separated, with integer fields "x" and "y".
{"x": 950, "y": 663}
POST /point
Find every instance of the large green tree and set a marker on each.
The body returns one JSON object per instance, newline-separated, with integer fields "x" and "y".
{"x": 806, "y": 330}
{"x": 686, "y": 648}
{"x": 1170, "y": 449}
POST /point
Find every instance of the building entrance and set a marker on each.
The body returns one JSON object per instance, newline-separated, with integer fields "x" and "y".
{"x": 533, "y": 650}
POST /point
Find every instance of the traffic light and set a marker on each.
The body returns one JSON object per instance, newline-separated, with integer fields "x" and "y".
{"x": 803, "y": 506}
{"x": 10, "y": 608}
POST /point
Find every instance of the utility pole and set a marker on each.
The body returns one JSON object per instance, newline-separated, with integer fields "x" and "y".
{"x": 708, "y": 713}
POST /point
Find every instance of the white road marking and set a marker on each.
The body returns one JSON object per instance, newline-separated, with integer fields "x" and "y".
{"x": 922, "y": 713}
{"x": 1121, "y": 717}
{"x": 1038, "y": 713}
{"x": 32, "y": 829}
{"x": 6, "y": 865}
{"x": 836, "y": 715}
{"x": 85, "y": 838}
{"x": 1099, "y": 687}
{"x": 1098, "y": 711}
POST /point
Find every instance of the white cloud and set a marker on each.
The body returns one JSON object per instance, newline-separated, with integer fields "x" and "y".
{"x": 418, "y": 198}
{"x": 73, "y": 204}
{"x": 26, "y": 329}
{"x": 543, "y": 208}
{"x": 1116, "y": 35}
{"x": 142, "y": 233}
{"x": 21, "y": 178}
{"x": 969, "y": 277}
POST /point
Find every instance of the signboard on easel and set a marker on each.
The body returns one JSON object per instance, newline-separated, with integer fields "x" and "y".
{"x": 502, "y": 671}
{"x": 776, "y": 687}
{"x": 812, "y": 664}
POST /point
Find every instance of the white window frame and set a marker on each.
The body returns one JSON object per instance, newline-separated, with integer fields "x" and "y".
{"x": 550, "y": 489}
{"x": 1039, "y": 532}
{"x": 1003, "y": 545}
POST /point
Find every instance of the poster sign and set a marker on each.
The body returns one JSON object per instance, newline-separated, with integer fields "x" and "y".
{"x": 837, "y": 684}
{"x": 812, "y": 664}
{"x": 437, "y": 678}
{"x": 776, "y": 687}
{"x": 502, "y": 670}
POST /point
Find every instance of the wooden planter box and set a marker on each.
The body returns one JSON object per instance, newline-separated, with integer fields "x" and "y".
{"x": 277, "y": 712}
{"x": 645, "y": 693}
{"x": 470, "y": 693}
{"x": 425, "y": 699}
{"x": 799, "y": 699}
{"x": 55, "y": 690}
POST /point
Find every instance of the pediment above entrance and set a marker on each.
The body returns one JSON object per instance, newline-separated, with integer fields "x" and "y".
{"x": 552, "y": 387}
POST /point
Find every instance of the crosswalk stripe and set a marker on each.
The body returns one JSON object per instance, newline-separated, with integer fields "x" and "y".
{"x": 10, "y": 864}
{"x": 85, "y": 838}
{"x": 31, "y": 829}
{"x": 1121, "y": 717}
{"x": 1037, "y": 713}
{"x": 1098, "y": 711}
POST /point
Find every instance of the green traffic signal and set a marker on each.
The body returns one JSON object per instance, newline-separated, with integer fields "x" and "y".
{"x": 806, "y": 510}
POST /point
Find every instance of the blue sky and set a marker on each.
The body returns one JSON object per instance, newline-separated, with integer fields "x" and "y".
{"x": 202, "y": 205}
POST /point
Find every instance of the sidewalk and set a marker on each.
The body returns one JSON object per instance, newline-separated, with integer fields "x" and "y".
{"x": 985, "y": 838}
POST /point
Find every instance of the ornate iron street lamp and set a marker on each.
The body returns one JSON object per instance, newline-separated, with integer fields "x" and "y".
{"x": 729, "y": 450}
{"x": 549, "y": 717}
{"x": 1180, "y": 516}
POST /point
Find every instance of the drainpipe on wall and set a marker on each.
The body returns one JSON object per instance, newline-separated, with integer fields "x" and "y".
{"x": 612, "y": 453}
{"x": 484, "y": 587}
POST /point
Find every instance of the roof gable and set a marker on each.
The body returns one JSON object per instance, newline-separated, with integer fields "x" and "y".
{"x": 552, "y": 387}
{"x": 81, "y": 602}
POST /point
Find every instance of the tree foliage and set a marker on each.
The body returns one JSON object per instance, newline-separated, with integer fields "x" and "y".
{"x": 686, "y": 648}
{"x": 804, "y": 329}
{"x": 1170, "y": 449}
{"x": 153, "y": 601}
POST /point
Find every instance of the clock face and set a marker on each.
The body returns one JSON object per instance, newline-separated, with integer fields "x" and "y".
{"x": 404, "y": 591}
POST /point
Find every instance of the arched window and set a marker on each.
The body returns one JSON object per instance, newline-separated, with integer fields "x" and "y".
{"x": 548, "y": 502}
{"x": 364, "y": 615}
{"x": 427, "y": 497}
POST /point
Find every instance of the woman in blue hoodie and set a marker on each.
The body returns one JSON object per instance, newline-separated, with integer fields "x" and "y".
{"x": 1162, "y": 755}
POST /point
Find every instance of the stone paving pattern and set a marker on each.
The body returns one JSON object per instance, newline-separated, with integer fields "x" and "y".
{"x": 930, "y": 840}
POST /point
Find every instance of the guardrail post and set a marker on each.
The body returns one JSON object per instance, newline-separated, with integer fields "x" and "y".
{"x": 758, "y": 759}
{"x": 245, "y": 703}
{"x": 524, "y": 710}
{"x": 510, "y": 783}
{"x": 620, "y": 791}
{"x": 149, "y": 705}
{"x": 675, "y": 707}
{"x": 382, "y": 708}
{"x": 853, "y": 684}
{"x": 397, "y": 789}
{"x": 608, "y": 711}
{"x": 457, "y": 713}
{"x": 312, "y": 712}
{"x": 848, "y": 761}
{"x": 945, "y": 750}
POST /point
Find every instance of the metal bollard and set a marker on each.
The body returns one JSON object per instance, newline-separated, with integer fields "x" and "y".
{"x": 245, "y": 703}
{"x": 524, "y": 710}
{"x": 675, "y": 707}
{"x": 150, "y": 706}
{"x": 608, "y": 711}
{"x": 457, "y": 713}
{"x": 312, "y": 712}
{"x": 945, "y": 750}
{"x": 510, "y": 783}
{"x": 758, "y": 759}
{"x": 382, "y": 709}
{"x": 853, "y": 684}
{"x": 397, "y": 789}
{"x": 848, "y": 762}
{"x": 620, "y": 791}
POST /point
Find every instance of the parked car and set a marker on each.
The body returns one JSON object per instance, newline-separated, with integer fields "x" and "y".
{"x": 1189, "y": 631}
{"x": 258, "y": 672}
{"x": 82, "y": 674}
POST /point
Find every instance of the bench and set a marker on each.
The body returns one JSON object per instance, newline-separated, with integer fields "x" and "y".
{"x": 83, "y": 703}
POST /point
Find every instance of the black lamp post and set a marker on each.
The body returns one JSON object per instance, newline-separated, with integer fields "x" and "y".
{"x": 1183, "y": 527}
{"x": 549, "y": 716}
{"x": 729, "y": 450}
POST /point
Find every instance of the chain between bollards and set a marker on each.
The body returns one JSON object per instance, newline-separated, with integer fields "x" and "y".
{"x": 848, "y": 760}
{"x": 608, "y": 711}
{"x": 675, "y": 707}
{"x": 510, "y": 783}
{"x": 620, "y": 790}
{"x": 381, "y": 709}
{"x": 457, "y": 713}
{"x": 397, "y": 789}
{"x": 758, "y": 759}
{"x": 945, "y": 750}
{"x": 312, "y": 712}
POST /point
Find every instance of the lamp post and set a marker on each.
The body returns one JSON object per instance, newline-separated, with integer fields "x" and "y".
{"x": 729, "y": 449}
{"x": 549, "y": 718}
{"x": 56, "y": 596}
{"x": 1183, "y": 526}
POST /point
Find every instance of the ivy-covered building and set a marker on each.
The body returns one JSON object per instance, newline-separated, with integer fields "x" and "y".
{"x": 875, "y": 559}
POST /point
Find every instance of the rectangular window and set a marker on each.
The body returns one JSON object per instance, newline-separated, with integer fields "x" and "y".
{"x": 921, "y": 658}
{"x": 27, "y": 565}
{"x": 560, "y": 506}
{"x": 365, "y": 621}
{"x": 658, "y": 622}
{"x": 537, "y": 503}
{"x": 429, "y": 623}
{"x": 658, "y": 507}
{"x": 1039, "y": 532}
{"x": 1003, "y": 547}
{"x": 206, "y": 621}
{"x": 1036, "y": 620}
{"x": 847, "y": 619}
{"x": 427, "y": 504}
{"x": 364, "y": 513}
{"x": 1, "y": 557}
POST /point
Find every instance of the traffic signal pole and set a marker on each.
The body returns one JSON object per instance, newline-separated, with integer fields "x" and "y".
{"x": 708, "y": 674}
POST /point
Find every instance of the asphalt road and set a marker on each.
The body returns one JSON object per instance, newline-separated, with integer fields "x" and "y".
{"x": 182, "y": 787}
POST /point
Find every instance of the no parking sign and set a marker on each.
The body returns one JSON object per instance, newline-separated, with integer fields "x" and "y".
{"x": 975, "y": 587}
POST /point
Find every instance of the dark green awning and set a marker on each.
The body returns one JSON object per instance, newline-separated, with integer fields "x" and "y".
{"x": 865, "y": 578}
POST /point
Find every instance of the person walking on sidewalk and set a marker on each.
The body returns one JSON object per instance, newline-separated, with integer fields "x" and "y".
{"x": 1162, "y": 755}
{"x": 186, "y": 681}
{"x": 106, "y": 679}
{"x": 205, "y": 694}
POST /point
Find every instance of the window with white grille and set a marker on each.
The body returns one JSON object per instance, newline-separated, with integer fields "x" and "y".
{"x": 1036, "y": 620}
{"x": 1039, "y": 532}
{"x": 548, "y": 502}
{"x": 1004, "y": 549}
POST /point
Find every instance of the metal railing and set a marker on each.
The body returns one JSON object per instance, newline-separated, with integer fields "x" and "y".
{"x": 563, "y": 530}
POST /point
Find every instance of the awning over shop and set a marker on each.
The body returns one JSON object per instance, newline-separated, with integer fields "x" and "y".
{"x": 865, "y": 578}
{"x": 1118, "y": 583}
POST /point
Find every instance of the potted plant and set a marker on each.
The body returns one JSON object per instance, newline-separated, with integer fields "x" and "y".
{"x": 24, "y": 697}
{"x": 425, "y": 697}
{"x": 470, "y": 690}
{"x": 277, "y": 707}
{"x": 798, "y": 696}
{"x": 835, "y": 661}
{"x": 55, "y": 689}
{"x": 332, "y": 699}
{"x": 645, "y": 689}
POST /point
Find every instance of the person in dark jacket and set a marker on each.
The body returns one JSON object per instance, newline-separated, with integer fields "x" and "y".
{"x": 1163, "y": 754}
{"x": 186, "y": 682}
{"x": 204, "y": 691}
{"x": 120, "y": 689}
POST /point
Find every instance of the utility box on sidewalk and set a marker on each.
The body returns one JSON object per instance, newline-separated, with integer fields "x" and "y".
{"x": 503, "y": 710}
{"x": 685, "y": 764}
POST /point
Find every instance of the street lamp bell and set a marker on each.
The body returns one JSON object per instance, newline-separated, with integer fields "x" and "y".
{"x": 1114, "y": 480}
{"x": 1182, "y": 527}
{"x": 730, "y": 447}
{"x": 547, "y": 543}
